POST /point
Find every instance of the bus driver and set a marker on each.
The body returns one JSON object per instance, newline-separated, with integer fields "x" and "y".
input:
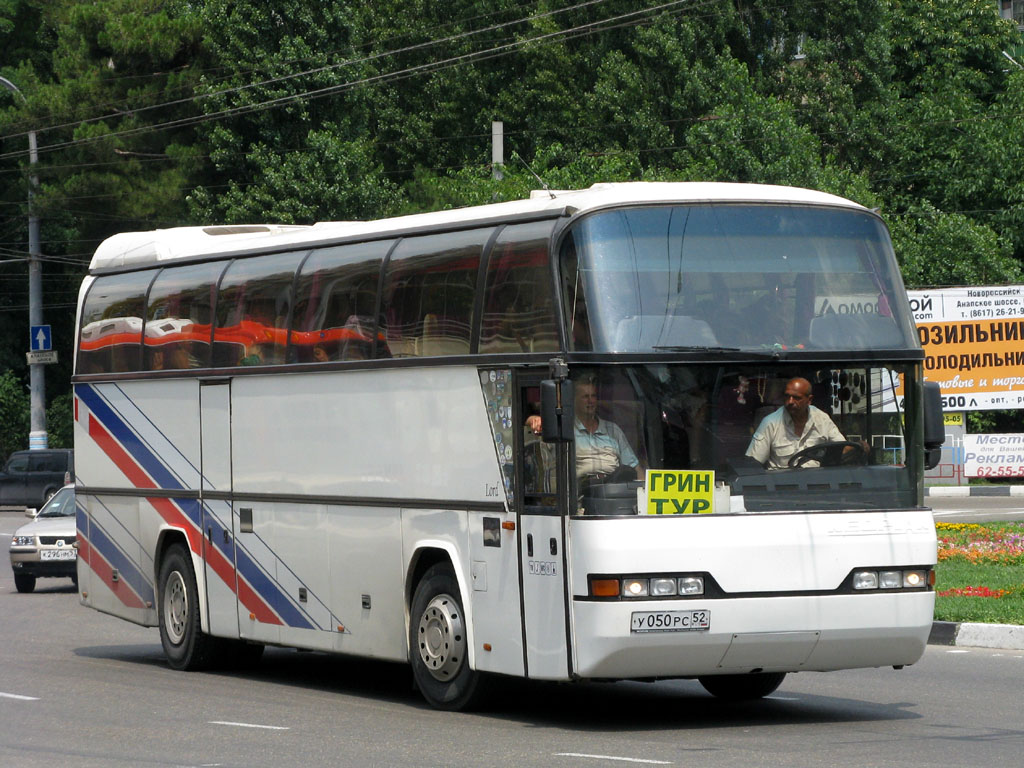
{"x": 796, "y": 425}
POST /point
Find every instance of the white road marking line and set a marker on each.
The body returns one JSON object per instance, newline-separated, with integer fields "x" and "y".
{"x": 957, "y": 651}
{"x": 16, "y": 696}
{"x": 613, "y": 757}
{"x": 251, "y": 725}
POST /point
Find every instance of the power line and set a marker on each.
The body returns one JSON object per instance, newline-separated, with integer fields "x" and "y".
{"x": 230, "y": 73}
{"x": 500, "y": 50}
{"x": 320, "y": 70}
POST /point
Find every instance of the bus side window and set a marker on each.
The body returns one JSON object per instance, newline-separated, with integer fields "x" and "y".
{"x": 519, "y": 308}
{"x": 178, "y": 317}
{"x": 335, "y": 301}
{"x": 429, "y": 291}
{"x": 111, "y": 324}
{"x": 253, "y": 309}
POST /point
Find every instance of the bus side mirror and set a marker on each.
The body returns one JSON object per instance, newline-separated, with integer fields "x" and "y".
{"x": 557, "y": 412}
{"x": 934, "y": 429}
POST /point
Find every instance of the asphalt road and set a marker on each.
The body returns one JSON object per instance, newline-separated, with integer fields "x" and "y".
{"x": 81, "y": 689}
{"x": 976, "y": 509}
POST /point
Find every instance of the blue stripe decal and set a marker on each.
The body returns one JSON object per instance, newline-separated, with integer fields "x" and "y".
{"x": 264, "y": 587}
{"x": 128, "y": 570}
{"x": 269, "y": 591}
{"x": 128, "y": 439}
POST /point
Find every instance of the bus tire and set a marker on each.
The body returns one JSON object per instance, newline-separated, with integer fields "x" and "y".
{"x": 185, "y": 645}
{"x": 742, "y": 687}
{"x": 438, "y": 644}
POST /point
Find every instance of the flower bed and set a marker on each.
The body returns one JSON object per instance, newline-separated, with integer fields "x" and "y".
{"x": 980, "y": 575}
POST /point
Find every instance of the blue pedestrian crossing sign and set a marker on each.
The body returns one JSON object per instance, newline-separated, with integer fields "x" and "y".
{"x": 40, "y": 339}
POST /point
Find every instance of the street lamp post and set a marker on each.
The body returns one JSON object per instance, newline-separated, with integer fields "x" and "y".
{"x": 37, "y": 371}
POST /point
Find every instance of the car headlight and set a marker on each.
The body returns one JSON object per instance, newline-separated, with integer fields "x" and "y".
{"x": 23, "y": 541}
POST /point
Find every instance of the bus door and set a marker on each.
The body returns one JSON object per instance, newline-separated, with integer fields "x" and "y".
{"x": 543, "y": 560}
{"x": 215, "y": 499}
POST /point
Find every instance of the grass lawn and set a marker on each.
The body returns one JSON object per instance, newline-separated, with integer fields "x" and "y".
{"x": 980, "y": 575}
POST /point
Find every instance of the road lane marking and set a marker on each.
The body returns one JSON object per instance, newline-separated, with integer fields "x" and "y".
{"x": 16, "y": 696}
{"x": 613, "y": 757}
{"x": 251, "y": 725}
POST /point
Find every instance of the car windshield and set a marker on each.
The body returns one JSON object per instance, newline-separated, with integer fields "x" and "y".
{"x": 61, "y": 504}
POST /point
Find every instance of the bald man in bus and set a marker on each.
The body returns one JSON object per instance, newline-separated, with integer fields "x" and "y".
{"x": 794, "y": 427}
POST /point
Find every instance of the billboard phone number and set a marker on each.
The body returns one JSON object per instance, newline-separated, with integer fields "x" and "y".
{"x": 998, "y": 472}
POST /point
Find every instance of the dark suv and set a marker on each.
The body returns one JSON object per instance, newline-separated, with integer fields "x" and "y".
{"x": 31, "y": 477}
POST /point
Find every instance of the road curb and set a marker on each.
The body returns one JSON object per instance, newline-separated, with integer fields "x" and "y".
{"x": 1004, "y": 636}
{"x": 956, "y": 491}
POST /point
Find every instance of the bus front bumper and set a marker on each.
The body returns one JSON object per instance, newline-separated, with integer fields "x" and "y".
{"x": 778, "y": 634}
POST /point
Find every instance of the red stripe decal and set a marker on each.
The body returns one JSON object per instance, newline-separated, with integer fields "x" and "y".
{"x": 255, "y": 605}
{"x": 173, "y": 516}
{"x": 102, "y": 569}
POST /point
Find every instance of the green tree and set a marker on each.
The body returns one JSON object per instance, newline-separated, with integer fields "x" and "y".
{"x": 14, "y": 414}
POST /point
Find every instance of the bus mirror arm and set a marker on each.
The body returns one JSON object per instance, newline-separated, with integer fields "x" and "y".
{"x": 556, "y": 410}
{"x": 934, "y": 429}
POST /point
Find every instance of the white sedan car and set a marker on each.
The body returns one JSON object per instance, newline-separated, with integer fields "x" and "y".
{"x": 48, "y": 545}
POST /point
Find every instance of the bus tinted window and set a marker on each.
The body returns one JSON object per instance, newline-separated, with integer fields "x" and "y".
{"x": 112, "y": 324}
{"x": 428, "y": 293}
{"x": 519, "y": 310}
{"x": 744, "y": 276}
{"x": 178, "y": 317}
{"x": 335, "y": 304}
{"x": 253, "y": 307}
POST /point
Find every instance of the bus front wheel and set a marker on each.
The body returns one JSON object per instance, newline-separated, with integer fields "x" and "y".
{"x": 742, "y": 687}
{"x": 438, "y": 645}
{"x": 185, "y": 645}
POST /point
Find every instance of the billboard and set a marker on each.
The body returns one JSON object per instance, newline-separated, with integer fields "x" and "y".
{"x": 973, "y": 340}
{"x": 996, "y": 456}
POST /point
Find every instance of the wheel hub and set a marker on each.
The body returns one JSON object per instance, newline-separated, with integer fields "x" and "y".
{"x": 442, "y": 638}
{"x": 175, "y": 608}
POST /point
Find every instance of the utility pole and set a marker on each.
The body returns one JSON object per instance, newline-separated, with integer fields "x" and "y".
{"x": 497, "y": 149}
{"x": 37, "y": 438}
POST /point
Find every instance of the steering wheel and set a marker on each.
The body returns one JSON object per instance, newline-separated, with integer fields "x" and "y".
{"x": 831, "y": 454}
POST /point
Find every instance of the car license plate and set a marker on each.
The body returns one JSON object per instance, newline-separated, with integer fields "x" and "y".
{"x": 670, "y": 621}
{"x": 58, "y": 554}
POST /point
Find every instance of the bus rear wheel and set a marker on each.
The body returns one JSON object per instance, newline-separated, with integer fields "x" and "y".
{"x": 438, "y": 645}
{"x": 742, "y": 687}
{"x": 185, "y": 645}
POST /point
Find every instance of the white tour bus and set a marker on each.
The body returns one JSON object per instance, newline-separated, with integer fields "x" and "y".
{"x": 317, "y": 437}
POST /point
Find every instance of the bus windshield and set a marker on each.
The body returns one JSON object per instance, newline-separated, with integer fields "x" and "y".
{"x": 858, "y": 452}
{"x": 738, "y": 276}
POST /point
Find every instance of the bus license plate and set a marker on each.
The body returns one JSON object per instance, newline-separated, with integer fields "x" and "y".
{"x": 58, "y": 554}
{"x": 670, "y": 621}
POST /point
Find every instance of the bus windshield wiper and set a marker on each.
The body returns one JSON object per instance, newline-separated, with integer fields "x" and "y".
{"x": 692, "y": 348}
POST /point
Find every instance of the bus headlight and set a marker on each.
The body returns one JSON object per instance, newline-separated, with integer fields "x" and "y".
{"x": 639, "y": 587}
{"x": 691, "y": 585}
{"x": 890, "y": 580}
{"x": 865, "y": 580}
{"x": 662, "y": 587}
{"x": 910, "y": 578}
{"x": 635, "y": 588}
{"x": 915, "y": 579}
